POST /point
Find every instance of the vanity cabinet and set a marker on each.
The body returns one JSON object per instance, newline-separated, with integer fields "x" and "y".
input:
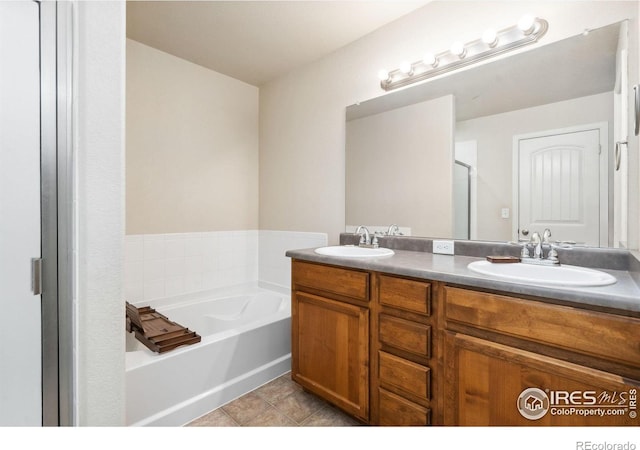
{"x": 364, "y": 342}
{"x": 395, "y": 350}
{"x": 330, "y": 334}
{"x": 512, "y": 361}
{"x": 403, "y": 367}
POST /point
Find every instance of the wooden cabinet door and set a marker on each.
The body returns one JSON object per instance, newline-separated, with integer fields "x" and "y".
{"x": 330, "y": 351}
{"x": 493, "y": 384}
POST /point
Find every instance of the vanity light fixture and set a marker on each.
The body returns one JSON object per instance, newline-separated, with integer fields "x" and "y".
{"x": 406, "y": 67}
{"x": 383, "y": 75}
{"x": 429, "y": 60}
{"x": 527, "y": 31}
{"x": 490, "y": 37}
{"x": 527, "y": 24}
{"x": 458, "y": 49}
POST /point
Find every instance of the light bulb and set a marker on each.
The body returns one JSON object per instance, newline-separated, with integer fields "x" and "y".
{"x": 527, "y": 23}
{"x": 490, "y": 37}
{"x": 430, "y": 60}
{"x": 383, "y": 74}
{"x": 457, "y": 48}
{"x": 405, "y": 67}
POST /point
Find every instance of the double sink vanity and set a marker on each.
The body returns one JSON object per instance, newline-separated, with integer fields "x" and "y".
{"x": 398, "y": 335}
{"x": 391, "y": 330}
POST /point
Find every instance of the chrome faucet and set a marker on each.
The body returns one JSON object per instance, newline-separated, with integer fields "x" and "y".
{"x": 365, "y": 237}
{"x": 539, "y": 243}
{"x": 393, "y": 230}
{"x": 552, "y": 255}
{"x": 536, "y": 241}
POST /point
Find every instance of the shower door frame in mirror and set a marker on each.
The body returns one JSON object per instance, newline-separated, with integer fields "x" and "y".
{"x": 571, "y": 100}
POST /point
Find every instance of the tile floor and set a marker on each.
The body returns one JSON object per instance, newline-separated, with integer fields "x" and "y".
{"x": 279, "y": 403}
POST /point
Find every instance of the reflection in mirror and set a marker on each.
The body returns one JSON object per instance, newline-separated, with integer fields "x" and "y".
{"x": 522, "y": 143}
{"x": 406, "y": 154}
{"x": 461, "y": 200}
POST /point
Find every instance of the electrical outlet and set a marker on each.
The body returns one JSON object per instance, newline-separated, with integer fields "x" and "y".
{"x": 443, "y": 247}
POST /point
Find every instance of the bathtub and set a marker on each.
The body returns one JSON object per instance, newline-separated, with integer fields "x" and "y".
{"x": 246, "y": 342}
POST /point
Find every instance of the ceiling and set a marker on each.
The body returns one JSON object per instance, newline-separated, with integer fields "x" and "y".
{"x": 257, "y": 41}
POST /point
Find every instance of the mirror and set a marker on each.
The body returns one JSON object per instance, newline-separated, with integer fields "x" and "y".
{"x": 500, "y": 150}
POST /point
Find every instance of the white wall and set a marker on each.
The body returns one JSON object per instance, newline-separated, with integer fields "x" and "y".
{"x": 634, "y": 142}
{"x": 192, "y": 147}
{"x": 99, "y": 226}
{"x": 302, "y": 114}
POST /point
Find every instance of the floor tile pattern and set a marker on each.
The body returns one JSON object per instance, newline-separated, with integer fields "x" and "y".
{"x": 279, "y": 403}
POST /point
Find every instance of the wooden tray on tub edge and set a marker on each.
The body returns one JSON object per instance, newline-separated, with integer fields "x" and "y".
{"x": 156, "y": 331}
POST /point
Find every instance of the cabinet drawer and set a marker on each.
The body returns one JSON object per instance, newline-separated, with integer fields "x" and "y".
{"x": 607, "y": 336}
{"x": 350, "y": 283}
{"x": 409, "y": 295}
{"x": 405, "y": 335}
{"x": 397, "y": 411}
{"x": 404, "y": 376}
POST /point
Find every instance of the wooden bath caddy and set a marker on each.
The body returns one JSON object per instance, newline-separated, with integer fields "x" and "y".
{"x": 156, "y": 331}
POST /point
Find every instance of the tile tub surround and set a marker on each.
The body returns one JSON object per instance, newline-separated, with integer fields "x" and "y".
{"x": 165, "y": 265}
{"x": 274, "y": 266}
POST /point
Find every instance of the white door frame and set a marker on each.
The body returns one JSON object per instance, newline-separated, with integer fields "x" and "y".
{"x": 603, "y": 128}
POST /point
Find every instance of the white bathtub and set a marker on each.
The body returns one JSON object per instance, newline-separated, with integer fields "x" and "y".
{"x": 246, "y": 342}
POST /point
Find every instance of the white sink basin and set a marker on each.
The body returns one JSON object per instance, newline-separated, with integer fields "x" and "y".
{"x": 350, "y": 251}
{"x": 562, "y": 275}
